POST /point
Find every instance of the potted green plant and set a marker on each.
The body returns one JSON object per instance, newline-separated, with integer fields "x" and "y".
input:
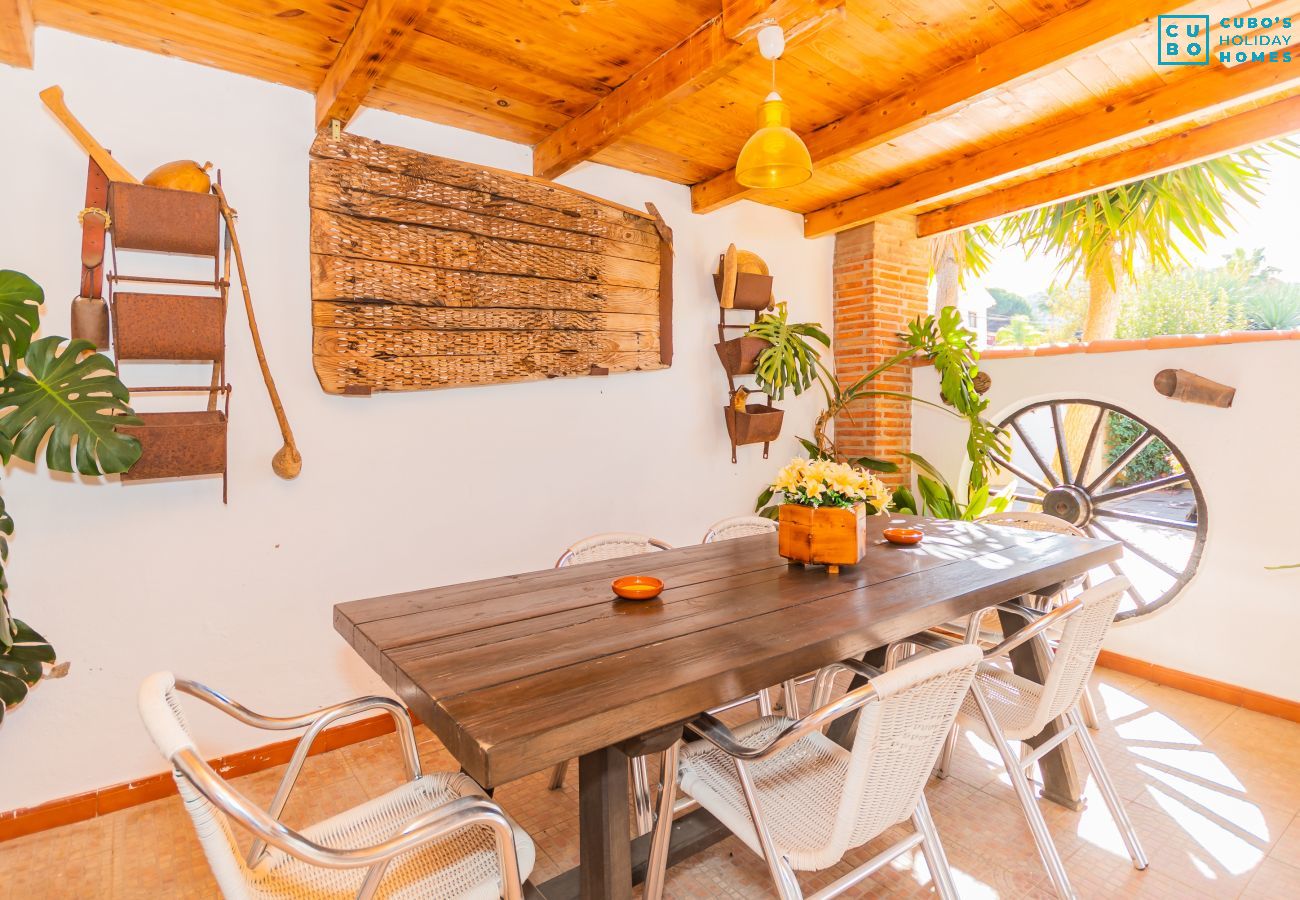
{"x": 940, "y": 340}
{"x": 60, "y": 395}
{"x": 790, "y": 360}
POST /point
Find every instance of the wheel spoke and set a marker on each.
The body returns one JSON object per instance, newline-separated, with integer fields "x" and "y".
{"x": 1153, "y": 485}
{"x": 1033, "y": 451}
{"x": 1145, "y": 520}
{"x": 1138, "y": 445}
{"x": 1062, "y": 453}
{"x": 1025, "y": 498}
{"x": 1138, "y": 600}
{"x": 1115, "y": 569}
{"x": 1019, "y": 473}
{"x": 1138, "y": 551}
{"x": 1090, "y": 446}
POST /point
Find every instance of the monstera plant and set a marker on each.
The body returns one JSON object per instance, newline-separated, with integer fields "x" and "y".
{"x": 61, "y": 395}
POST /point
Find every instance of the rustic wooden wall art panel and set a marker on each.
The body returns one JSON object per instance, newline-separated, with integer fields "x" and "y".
{"x": 430, "y": 273}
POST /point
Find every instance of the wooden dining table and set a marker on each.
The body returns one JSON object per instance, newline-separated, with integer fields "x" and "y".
{"x": 519, "y": 673}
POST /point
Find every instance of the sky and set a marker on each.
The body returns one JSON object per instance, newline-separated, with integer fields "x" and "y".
{"x": 1271, "y": 225}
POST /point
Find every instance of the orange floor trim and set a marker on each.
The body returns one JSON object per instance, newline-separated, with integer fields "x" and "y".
{"x": 67, "y": 810}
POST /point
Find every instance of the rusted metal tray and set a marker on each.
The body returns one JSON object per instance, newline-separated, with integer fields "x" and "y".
{"x": 168, "y": 326}
{"x": 178, "y": 444}
{"x": 164, "y": 220}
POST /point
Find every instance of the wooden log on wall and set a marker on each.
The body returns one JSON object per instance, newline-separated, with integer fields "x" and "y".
{"x": 432, "y": 273}
{"x": 1180, "y": 384}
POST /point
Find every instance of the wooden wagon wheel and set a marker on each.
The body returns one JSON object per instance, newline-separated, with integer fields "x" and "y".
{"x": 1161, "y": 549}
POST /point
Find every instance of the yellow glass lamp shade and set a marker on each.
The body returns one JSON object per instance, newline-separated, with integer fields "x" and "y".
{"x": 774, "y": 156}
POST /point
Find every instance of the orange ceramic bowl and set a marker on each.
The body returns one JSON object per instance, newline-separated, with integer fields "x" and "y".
{"x": 637, "y": 587}
{"x": 904, "y": 536}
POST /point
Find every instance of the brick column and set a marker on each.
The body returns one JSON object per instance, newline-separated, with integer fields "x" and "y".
{"x": 881, "y": 270}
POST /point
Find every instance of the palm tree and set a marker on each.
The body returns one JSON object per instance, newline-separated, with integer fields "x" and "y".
{"x": 1020, "y": 332}
{"x": 957, "y": 254}
{"x": 1103, "y": 235}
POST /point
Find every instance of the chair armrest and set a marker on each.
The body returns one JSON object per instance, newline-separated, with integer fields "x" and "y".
{"x": 405, "y": 734}
{"x": 315, "y": 722}
{"x": 431, "y": 826}
{"x": 712, "y": 730}
{"x": 1038, "y": 624}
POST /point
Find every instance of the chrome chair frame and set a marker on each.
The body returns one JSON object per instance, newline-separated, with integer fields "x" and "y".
{"x": 1018, "y": 766}
{"x": 715, "y": 732}
{"x": 268, "y": 831}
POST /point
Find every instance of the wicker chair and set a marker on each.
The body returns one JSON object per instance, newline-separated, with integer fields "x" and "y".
{"x": 611, "y": 545}
{"x": 615, "y": 545}
{"x": 801, "y": 801}
{"x": 738, "y": 527}
{"x": 436, "y": 836}
{"x": 1043, "y": 522}
{"x": 1013, "y": 708}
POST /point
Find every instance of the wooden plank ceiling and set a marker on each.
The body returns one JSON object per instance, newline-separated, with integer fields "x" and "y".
{"x": 956, "y": 109}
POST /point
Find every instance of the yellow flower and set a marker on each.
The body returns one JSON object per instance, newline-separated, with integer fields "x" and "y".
{"x": 842, "y": 480}
{"x": 813, "y": 487}
{"x": 788, "y": 479}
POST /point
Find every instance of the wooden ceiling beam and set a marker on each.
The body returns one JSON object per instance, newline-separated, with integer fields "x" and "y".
{"x": 1174, "y": 152}
{"x": 1202, "y": 93}
{"x": 1049, "y": 46}
{"x": 17, "y": 30}
{"x": 708, "y": 53}
{"x": 376, "y": 38}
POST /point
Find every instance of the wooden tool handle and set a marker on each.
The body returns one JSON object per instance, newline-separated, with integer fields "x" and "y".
{"x": 53, "y": 99}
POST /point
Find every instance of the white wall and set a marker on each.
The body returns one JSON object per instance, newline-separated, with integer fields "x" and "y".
{"x": 1235, "y": 622}
{"x": 397, "y": 491}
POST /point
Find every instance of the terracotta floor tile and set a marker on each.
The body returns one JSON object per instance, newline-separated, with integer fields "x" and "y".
{"x": 1274, "y": 881}
{"x": 1287, "y": 848}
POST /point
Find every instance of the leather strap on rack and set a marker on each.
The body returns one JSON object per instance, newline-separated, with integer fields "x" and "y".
{"x": 94, "y": 225}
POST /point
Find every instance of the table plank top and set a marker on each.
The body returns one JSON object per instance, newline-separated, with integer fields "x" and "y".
{"x": 518, "y": 673}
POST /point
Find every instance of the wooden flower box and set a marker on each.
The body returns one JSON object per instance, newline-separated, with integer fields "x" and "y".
{"x": 830, "y": 536}
{"x": 739, "y": 356}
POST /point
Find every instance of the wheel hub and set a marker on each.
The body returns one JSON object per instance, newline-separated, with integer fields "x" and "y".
{"x": 1070, "y": 503}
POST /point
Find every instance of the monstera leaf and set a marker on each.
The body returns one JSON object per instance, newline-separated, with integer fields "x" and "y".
{"x": 22, "y": 663}
{"x": 72, "y": 396}
{"x": 20, "y": 315}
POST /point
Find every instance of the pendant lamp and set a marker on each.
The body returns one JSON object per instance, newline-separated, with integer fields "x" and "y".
{"x": 774, "y": 156}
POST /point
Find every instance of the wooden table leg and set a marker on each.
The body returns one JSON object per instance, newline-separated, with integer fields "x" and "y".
{"x": 604, "y": 826}
{"x": 1062, "y": 782}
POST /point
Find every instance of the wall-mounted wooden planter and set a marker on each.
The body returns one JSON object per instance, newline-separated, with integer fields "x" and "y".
{"x": 739, "y": 356}
{"x": 752, "y": 291}
{"x": 178, "y": 444}
{"x": 760, "y": 423}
